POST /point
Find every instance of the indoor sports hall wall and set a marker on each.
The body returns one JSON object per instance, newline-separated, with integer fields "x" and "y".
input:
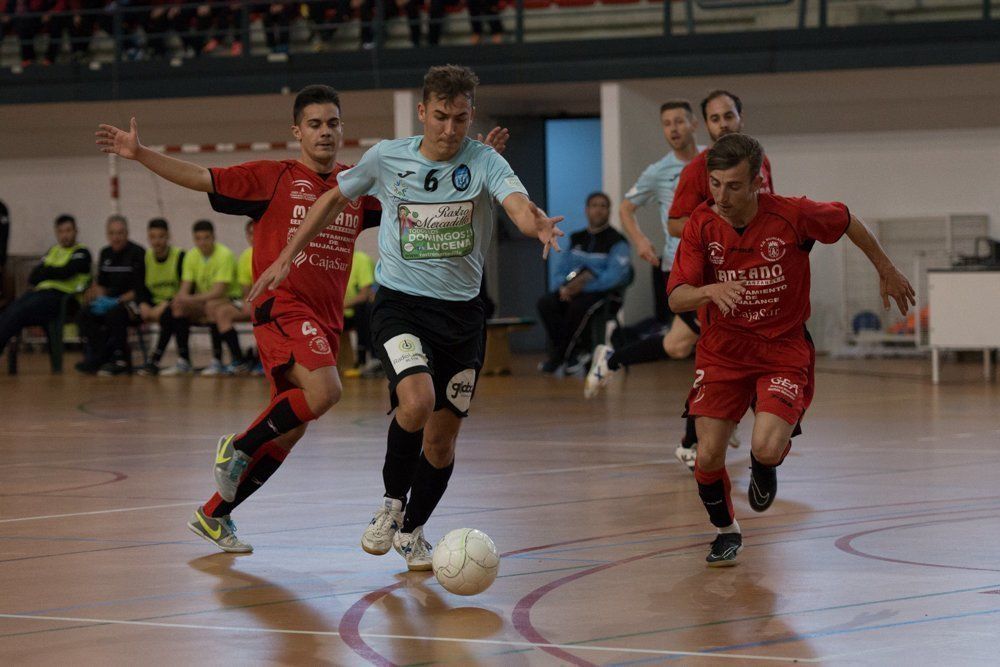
{"x": 890, "y": 143}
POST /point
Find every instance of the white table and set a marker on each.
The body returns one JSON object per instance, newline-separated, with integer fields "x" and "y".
{"x": 964, "y": 314}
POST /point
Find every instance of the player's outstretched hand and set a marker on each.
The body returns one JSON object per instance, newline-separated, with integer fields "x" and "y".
{"x": 646, "y": 251}
{"x": 496, "y": 139}
{"x": 726, "y": 295}
{"x": 270, "y": 278}
{"x": 893, "y": 284}
{"x": 110, "y": 139}
{"x": 548, "y": 233}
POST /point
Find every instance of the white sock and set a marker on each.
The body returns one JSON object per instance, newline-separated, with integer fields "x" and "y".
{"x": 734, "y": 527}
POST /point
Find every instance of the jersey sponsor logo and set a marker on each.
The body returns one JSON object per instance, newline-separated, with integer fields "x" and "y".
{"x": 461, "y": 178}
{"x": 772, "y": 248}
{"x": 716, "y": 253}
{"x": 405, "y": 351}
{"x": 303, "y": 190}
{"x": 758, "y": 276}
{"x": 319, "y": 345}
{"x": 784, "y": 387}
{"x": 460, "y": 388}
{"x": 308, "y": 329}
{"x": 404, "y": 174}
{"x": 398, "y": 190}
{"x": 300, "y": 258}
{"x": 435, "y": 231}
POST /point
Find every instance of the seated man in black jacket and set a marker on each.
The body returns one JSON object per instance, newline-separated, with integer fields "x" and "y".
{"x": 110, "y": 304}
{"x": 65, "y": 269}
{"x": 597, "y": 261}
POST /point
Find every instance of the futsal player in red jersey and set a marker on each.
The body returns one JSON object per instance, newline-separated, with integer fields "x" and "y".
{"x": 298, "y": 325}
{"x": 745, "y": 259}
{"x": 723, "y": 114}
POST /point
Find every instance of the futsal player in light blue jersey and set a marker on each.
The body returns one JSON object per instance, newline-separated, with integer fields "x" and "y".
{"x": 438, "y": 193}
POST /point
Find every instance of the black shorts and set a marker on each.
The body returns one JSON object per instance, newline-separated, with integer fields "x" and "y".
{"x": 418, "y": 334}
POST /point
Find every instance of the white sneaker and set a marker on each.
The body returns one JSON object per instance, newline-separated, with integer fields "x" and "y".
{"x": 734, "y": 440}
{"x": 182, "y": 367}
{"x": 213, "y": 369}
{"x": 687, "y": 455}
{"x": 377, "y": 539}
{"x": 414, "y": 548}
{"x": 599, "y": 373}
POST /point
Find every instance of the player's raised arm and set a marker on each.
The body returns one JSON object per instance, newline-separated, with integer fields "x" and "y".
{"x": 111, "y": 139}
{"x": 325, "y": 210}
{"x": 892, "y": 283}
{"x": 533, "y": 221}
{"x": 496, "y": 139}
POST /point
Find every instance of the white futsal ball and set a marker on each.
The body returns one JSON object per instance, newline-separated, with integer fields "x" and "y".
{"x": 466, "y": 561}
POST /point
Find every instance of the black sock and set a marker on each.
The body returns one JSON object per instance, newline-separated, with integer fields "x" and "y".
{"x": 401, "y": 455}
{"x": 182, "y": 330}
{"x": 166, "y": 331}
{"x": 690, "y": 433}
{"x": 216, "y": 343}
{"x": 429, "y": 485}
{"x": 641, "y": 352}
{"x": 258, "y": 473}
{"x": 286, "y": 411}
{"x": 232, "y": 341}
{"x": 714, "y": 489}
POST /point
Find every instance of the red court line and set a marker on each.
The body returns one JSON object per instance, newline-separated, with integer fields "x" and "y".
{"x": 350, "y": 623}
{"x": 522, "y": 610}
{"x": 844, "y": 544}
{"x": 116, "y": 477}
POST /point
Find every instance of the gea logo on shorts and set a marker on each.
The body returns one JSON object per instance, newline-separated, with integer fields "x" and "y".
{"x": 772, "y": 248}
{"x": 780, "y": 385}
{"x": 716, "y": 253}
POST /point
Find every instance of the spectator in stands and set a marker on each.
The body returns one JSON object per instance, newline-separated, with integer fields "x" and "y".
{"x": 327, "y": 15}
{"x": 110, "y": 304}
{"x": 277, "y": 16}
{"x": 597, "y": 262}
{"x": 165, "y": 17}
{"x": 357, "y": 297}
{"x": 33, "y": 18}
{"x": 485, "y": 12}
{"x": 63, "y": 271}
{"x": 163, "y": 280}
{"x": 227, "y": 312}
{"x": 208, "y": 281}
{"x": 411, "y": 10}
{"x": 215, "y": 26}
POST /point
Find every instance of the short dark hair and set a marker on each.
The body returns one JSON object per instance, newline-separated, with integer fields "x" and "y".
{"x": 720, "y": 93}
{"x": 598, "y": 194}
{"x": 158, "y": 223}
{"x": 732, "y": 149}
{"x": 446, "y": 82}
{"x": 676, "y": 104}
{"x": 65, "y": 219}
{"x": 203, "y": 226}
{"x": 118, "y": 217}
{"x": 314, "y": 94}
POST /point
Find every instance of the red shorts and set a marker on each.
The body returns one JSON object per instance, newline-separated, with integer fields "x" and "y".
{"x": 294, "y": 337}
{"x": 735, "y": 373}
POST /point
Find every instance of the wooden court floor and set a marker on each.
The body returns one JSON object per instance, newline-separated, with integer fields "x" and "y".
{"x": 882, "y": 548}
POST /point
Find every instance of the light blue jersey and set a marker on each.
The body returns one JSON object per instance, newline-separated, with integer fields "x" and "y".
{"x": 437, "y": 217}
{"x": 658, "y": 181}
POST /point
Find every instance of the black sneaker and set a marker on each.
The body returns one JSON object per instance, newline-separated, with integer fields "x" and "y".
{"x": 86, "y": 367}
{"x": 119, "y": 367}
{"x": 550, "y": 367}
{"x": 763, "y": 485}
{"x": 149, "y": 369}
{"x": 725, "y": 548}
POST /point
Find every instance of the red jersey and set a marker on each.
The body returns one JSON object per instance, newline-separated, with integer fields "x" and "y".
{"x": 278, "y": 195}
{"x": 771, "y": 256}
{"x": 692, "y": 186}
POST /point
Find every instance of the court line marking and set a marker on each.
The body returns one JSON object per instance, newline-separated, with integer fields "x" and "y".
{"x": 367, "y": 635}
{"x": 554, "y": 471}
